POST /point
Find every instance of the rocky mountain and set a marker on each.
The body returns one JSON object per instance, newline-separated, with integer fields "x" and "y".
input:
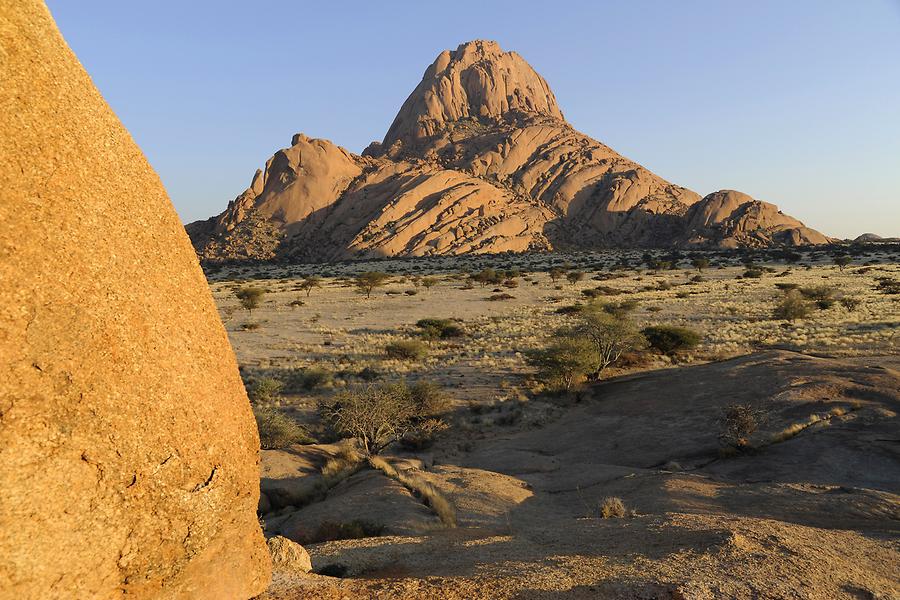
{"x": 478, "y": 159}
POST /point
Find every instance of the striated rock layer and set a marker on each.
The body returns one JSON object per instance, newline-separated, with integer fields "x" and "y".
{"x": 478, "y": 159}
{"x": 129, "y": 462}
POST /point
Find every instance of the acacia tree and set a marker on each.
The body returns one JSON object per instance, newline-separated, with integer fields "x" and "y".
{"x": 381, "y": 414}
{"x": 429, "y": 282}
{"x": 555, "y": 273}
{"x": 368, "y": 281}
{"x": 842, "y": 261}
{"x": 565, "y": 361}
{"x": 574, "y": 276}
{"x": 700, "y": 263}
{"x": 610, "y": 336}
{"x": 249, "y": 297}
{"x": 309, "y": 282}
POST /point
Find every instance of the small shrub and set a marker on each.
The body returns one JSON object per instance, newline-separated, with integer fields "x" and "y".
{"x": 574, "y": 276}
{"x": 406, "y": 350}
{"x": 249, "y": 297}
{"x": 669, "y": 339}
{"x": 753, "y": 273}
{"x": 439, "y": 328}
{"x": 368, "y": 374}
{"x": 792, "y": 307}
{"x": 786, "y": 286}
{"x": 309, "y": 283}
{"x": 265, "y": 389}
{"x": 309, "y": 379}
{"x": 612, "y": 508}
{"x": 850, "y": 303}
{"x": 277, "y": 430}
{"x": 621, "y": 309}
{"x": 816, "y": 293}
{"x": 888, "y": 285}
{"x": 498, "y": 297}
{"x": 842, "y": 261}
{"x": 738, "y": 423}
{"x": 573, "y": 309}
{"x": 565, "y": 362}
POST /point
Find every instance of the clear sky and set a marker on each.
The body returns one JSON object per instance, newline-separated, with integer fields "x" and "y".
{"x": 796, "y": 102}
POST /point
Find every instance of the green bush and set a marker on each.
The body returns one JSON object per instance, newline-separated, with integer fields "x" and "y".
{"x": 250, "y": 297}
{"x": 669, "y": 339}
{"x": 792, "y": 307}
{"x": 406, "y": 350}
{"x": 277, "y": 430}
{"x": 308, "y": 379}
{"x": 621, "y": 309}
{"x": 439, "y": 328}
{"x": 265, "y": 389}
{"x": 565, "y": 362}
{"x": 820, "y": 292}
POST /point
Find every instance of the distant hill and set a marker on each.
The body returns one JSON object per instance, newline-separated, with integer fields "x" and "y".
{"x": 479, "y": 159}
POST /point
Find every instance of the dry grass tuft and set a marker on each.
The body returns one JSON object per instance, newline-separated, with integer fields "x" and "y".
{"x": 420, "y": 488}
{"x": 612, "y": 508}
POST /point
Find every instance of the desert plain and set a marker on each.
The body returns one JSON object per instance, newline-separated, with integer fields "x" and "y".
{"x": 807, "y": 509}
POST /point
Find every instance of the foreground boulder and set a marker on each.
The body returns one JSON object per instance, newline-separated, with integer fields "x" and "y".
{"x": 128, "y": 452}
{"x": 288, "y": 555}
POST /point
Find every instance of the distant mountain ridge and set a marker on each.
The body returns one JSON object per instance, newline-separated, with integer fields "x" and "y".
{"x": 479, "y": 159}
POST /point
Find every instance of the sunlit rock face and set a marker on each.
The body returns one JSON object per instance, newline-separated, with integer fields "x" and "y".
{"x": 128, "y": 451}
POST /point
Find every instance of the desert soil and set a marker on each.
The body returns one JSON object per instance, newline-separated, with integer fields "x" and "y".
{"x": 811, "y": 511}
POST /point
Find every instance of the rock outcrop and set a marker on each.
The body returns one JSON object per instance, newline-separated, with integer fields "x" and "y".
{"x": 478, "y": 159}
{"x": 730, "y": 219}
{"x": 128, "y": 452}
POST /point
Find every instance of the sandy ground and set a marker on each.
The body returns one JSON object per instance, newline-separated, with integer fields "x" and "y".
{"x": 812, "y": 511}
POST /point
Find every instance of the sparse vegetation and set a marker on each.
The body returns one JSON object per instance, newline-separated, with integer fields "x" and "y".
{"x": 738, "y": 423}
{"x": 670, "y": 340}
{"x": 368, "y": 281}
{"x": 612, "y": 508}
{"x": 792, "y": 307}
{"x": 565, "y": 361}
{"x": 406, "y": 350}
{"x": 439, "y": 328}
{"x": 378, "y": 415}
{"x": 277, "y": 430}
{"x": 309, "y": 283}
{"x": 249, "y": 297}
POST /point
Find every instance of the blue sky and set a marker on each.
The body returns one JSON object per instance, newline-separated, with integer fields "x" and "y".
{"x": 796, "y": 103}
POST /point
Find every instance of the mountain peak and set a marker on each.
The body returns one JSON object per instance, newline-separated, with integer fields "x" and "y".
{"x": 478, "y": 79}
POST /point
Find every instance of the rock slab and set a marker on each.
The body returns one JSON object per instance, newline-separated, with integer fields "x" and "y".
{"x": 128, "y": 452}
